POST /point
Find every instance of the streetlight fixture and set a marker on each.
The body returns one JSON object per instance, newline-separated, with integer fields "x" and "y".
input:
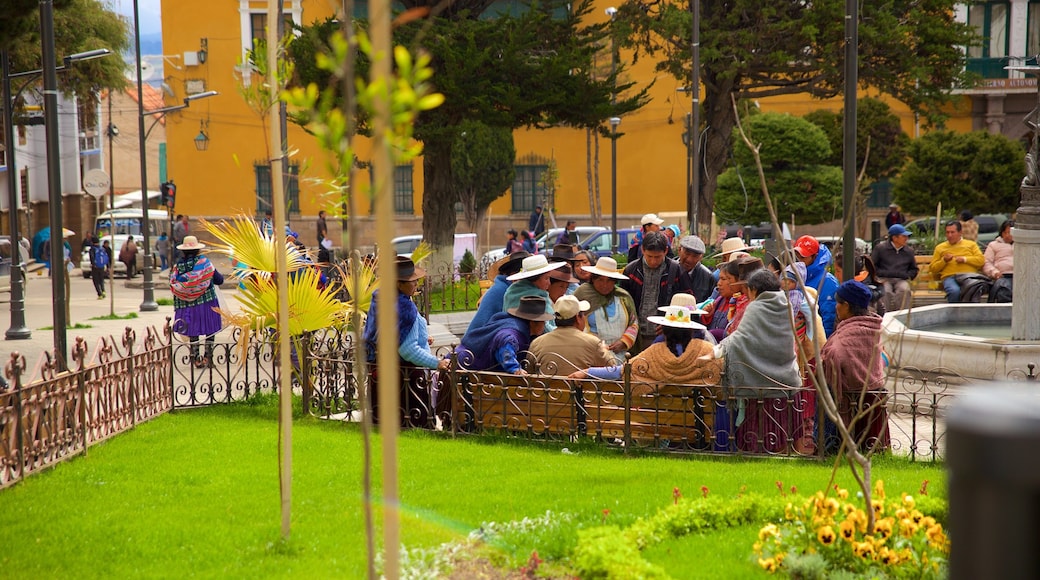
{"x": 693, "y": 149}
{"x": 18, "y": 329}
{"x": 614, "y": 122}
{"x": 149, "y": 304}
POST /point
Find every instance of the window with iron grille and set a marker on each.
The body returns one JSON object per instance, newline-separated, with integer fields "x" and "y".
{"x": 404, "y": 192}
{"x": 527, "y": 189}
{"x": 264, "y": 202}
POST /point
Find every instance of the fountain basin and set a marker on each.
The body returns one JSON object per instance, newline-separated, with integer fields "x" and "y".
{"x": 940, "y": 339}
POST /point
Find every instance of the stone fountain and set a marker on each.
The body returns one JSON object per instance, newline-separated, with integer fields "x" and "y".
{"x": 913, "y": 339}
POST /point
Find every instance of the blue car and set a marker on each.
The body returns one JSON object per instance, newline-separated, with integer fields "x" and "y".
{"x": 600, "y": 242}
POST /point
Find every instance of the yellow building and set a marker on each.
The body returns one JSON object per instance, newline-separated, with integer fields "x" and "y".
{"x": 231, "y": 175}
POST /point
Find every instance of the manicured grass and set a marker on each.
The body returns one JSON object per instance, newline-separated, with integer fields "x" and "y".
{"x": 196, "y": 493}
{"x": 126, "y": 316}
{"x": 76, "y": 326}
{"x": 459, "y": 297}
{"x": 164, "y": 301}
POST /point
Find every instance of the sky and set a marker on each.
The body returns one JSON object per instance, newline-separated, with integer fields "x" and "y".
{"x": 151, "y": 21}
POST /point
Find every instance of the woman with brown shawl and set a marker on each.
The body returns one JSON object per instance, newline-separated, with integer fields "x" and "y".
{"x": 853, "y": 368}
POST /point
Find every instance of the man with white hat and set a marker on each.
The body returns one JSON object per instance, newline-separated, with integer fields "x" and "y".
{"x": 650, "y": 223}
{"x": 695, "y": 277}
{"x": 569, "y": 347}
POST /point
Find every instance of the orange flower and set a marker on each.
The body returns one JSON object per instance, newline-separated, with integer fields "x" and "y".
{"x": 847, "y": 529}
{"x": 826, "y": 535}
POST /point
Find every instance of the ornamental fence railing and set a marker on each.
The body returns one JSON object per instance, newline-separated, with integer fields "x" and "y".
{"x": 47, "y": 415}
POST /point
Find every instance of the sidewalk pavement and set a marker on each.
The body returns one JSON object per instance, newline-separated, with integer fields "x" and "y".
{"x": 125, "y": 298}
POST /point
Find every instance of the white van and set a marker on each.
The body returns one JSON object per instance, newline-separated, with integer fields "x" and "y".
{"x": 118, "y": 225}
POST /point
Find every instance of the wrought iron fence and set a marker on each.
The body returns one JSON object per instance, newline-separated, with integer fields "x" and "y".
{"x": 47, "y": 415}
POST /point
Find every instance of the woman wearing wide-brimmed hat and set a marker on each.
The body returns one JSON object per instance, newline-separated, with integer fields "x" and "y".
{"x": 613, "y": 317}
{"x": 499, "y": 344}
{"x": 193, "y": 282}
{"x": 674, "y": 360}
{"x": 412, "y": 345}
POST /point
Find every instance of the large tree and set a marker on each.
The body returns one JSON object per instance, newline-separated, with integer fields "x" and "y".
{"x": 532, "y": 69}
{"x": 880, "y": 140}
{"x": 794, "y": 155}
{"x": 482, "y": 161}
{"x": 976, "y": 171}
{"x": 910, "y": 49}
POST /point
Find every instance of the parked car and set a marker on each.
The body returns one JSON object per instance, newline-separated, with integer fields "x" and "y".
{"x": 989, "y": 228}
{"x": 601, "y": 242}
{"x": 6, "y": 261}
{"x": 544, "y": 242}
{"x": 405, "y": 245}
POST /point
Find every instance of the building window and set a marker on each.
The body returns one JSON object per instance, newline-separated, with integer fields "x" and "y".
{"x": 990, "y": 21}
{"x": 264, "y": 202}
{"x": 404, "y": 193}
{"x": 528, "y": 191}
{"x": 258, "y": 25}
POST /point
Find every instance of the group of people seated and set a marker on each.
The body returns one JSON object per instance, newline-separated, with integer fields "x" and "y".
{"x": 762, "y": 330}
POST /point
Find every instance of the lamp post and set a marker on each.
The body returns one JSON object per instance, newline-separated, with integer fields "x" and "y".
{"x": 694, "y": 151}
{"x": 614, "y": 122}
{"x": 18, "y": 329}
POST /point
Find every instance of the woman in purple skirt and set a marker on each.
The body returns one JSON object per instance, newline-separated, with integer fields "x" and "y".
{"x": 193, "y": 282}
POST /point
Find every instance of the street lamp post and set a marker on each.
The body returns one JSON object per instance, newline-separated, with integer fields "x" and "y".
{"x": 148, "y": 304}
{"x": 18, "y": 329}
{"x": 614, "y": 122}
{"x": 694, "y": 152}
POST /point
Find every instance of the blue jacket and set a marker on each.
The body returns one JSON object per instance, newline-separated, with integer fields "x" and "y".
{"x": 491, "y": 303}
{"x": 818, "y": 278}
{"x": 496, "y": 346}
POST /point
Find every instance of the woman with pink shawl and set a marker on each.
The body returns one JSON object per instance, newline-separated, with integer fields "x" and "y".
{"x": 853, "y": 368}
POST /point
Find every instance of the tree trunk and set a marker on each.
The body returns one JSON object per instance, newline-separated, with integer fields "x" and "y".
{"x": 720, "y": 118}
{"x": 438, "y": 204}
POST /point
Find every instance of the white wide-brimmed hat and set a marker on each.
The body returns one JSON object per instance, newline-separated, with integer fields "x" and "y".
{"x": 677, "y": 317}
{"x": 606, "y": 267}
{"x": 731, "y": 245}
{"x": 191, "y": 243}
{"x": 683, "y": 300}
{"x": 535, "y": 265}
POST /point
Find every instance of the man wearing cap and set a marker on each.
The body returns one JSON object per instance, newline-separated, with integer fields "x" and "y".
{"x": 650, "y": 223}
{"x": 852, "y": 364}
{"x": 569, "y": 348}
{"x": 957, "y": 255}
{"x": 412, "y": 345}
{"x": 895, "y": 266}
{"x": 613, "y": 316}
{"x": 497, "y": 345}
{"x": 491, "y": 301}
{"x": 652, "y": 279}
{"x": 695, "y": 277}
{"x": 816, "y": 258}
{"x": 894, "y": 216}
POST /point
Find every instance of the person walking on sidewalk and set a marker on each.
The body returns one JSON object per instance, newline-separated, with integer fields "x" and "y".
{"x": 128, "y": 256}
{"x": 100, "y": 261}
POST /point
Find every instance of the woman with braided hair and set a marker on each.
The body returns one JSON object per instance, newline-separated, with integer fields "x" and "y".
{"x": 193, "y": 282}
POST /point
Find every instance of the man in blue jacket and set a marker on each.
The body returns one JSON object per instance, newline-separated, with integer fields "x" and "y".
{"x": 816, "y": 258}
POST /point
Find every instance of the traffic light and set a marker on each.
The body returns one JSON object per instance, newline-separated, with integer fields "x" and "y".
{"x": 168, "y": 191}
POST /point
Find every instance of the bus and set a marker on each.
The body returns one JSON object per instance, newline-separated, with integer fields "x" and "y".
{"x": 128, "y": 222}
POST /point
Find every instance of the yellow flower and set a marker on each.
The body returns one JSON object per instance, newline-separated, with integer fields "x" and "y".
{"x": 902, "y": 513}
{"x": 767, "y": 564}
{"x": 879, "y": 489}
{"x": 927, "y": 522}
{"x": 916, "y": 516}
{"x": 843, "y": 493}
{"x": 757, "y": 547}
{"x": 847, "y": 529}
{"x": 935, "y": 535}
{"x": 883, "y": 527}
{"x": 825, "y": 535}
{"x": 879, "y": 507}
{"x": 780, "y": 558}
{"x": 907, "y": 527}
{"x": 863, "y": 549}
{"x": 888, "y": 557}
{"x": 831, "y": 506}
{"x": 908, "y": 502}
{"x": 860, "y": 518}
{"x": 789, "y": 512}
{"x": 848, "y": 508}
{"x": 769, "y": 531}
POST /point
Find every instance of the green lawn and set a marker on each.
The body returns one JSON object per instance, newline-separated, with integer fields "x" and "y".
{"x": 196, "y": 493}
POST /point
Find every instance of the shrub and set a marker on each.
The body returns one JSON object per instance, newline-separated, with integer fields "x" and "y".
{"x": 468, "y": 264}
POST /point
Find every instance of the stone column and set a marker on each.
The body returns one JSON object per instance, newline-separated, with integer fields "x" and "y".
{"x": 1025, "y": 314}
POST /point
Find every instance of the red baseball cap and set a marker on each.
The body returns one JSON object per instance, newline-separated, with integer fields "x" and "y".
{"x": 807, "y": 246}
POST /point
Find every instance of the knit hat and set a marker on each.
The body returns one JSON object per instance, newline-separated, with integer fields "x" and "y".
{"x": 855, "y": 293}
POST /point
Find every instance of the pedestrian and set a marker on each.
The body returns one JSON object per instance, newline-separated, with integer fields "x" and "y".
{"x": 568, "y": 235}
{"x": 162, "y": 248}
{"x": 194, "y": 282}
{"x": 536, "y": 223}
{"x": 266, "y": 226}
{"x": 512, "y": 243}
{"x": 128, "y": 256}
{"x": 180, "y": 230}
{"x": 650, "y": 223}
{"x": 894, "y": 216}
{"x": 100, "y": 260}
{"x": 322, "y": 228}
{"x": 528, "y": 242}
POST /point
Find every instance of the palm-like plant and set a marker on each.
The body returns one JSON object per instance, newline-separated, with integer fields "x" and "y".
{"x": 310, "y": 306}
